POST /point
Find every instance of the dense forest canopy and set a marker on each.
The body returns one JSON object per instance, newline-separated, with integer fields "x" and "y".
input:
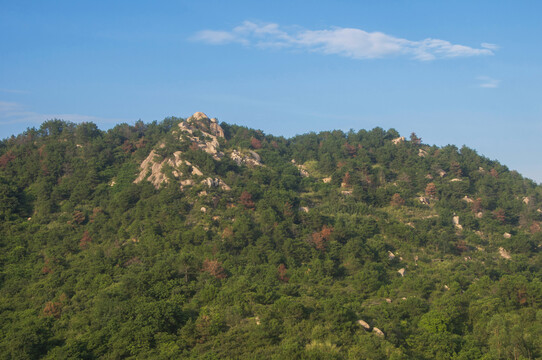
{"x": 186, "y": 238}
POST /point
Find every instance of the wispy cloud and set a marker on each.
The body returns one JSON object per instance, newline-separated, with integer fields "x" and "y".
{"x": 488, "y": 82}
{"x": 15, "y": 113}
{"x": 347, "y": 42}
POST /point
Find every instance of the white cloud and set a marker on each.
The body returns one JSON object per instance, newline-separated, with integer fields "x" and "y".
{"x": 487, "y": 82}
{"x": 490, "y": 46}
{"x": 347, "y": 42}
{"x": 15, "y": 113}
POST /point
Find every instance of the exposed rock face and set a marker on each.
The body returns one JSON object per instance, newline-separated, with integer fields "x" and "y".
{"x": 210, "y": 132}
{"x": 203, "y": 133}
{"x": 398, "y": 140}
{"x": 156, "y": 176}
{"x": 198, "y": 116}
{"x": 216, "y": 182}
{"x": 422, "y": 153}
{"x": 250, "y": 158}
{"x": 216, "y": 129}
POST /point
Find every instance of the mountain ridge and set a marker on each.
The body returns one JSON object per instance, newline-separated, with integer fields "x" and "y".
{"x": 192, "y": 238}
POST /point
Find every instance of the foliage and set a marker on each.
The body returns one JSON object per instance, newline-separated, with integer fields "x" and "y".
{"x": 282, "y": 265}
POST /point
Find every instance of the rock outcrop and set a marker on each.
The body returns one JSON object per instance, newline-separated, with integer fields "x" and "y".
{"x": 398, "y": 140}
{"x": 207, "y": 137}
{"x": 504, "y": 254}
{"x": 250, "y": 158}
{"x": 203, "y": 134}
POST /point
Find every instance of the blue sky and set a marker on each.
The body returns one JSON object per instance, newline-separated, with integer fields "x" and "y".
{"x": 455, "y": 72}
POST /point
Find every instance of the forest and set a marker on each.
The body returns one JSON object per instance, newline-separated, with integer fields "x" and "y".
{"x": 194, "y": 239}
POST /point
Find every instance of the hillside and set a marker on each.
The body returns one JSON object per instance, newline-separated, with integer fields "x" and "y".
{"x": 190, "y": 238}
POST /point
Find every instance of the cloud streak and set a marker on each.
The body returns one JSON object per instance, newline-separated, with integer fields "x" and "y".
{"x": 347, "y": 42}
{"x": 15, "y": 113}
{"x": 487, "y": 82}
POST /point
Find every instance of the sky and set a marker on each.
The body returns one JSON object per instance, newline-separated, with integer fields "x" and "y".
{"x": 454, "y": 72}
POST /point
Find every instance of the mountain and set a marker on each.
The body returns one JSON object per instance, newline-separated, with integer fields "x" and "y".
{"x": 190, "y": 238}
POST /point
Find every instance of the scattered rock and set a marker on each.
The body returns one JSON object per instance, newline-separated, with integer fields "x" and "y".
{"x": 446, "y": 287}
{"x": 187, "y": 182}
{"x": 422, "y": 153}
{"x": 479, "y": 215}
{"x": 203, "y": 209}
{"x": 303, "y": 172}
{"x": 391, "y": 255}
{"x": 346, "y": 192}
{"x": 388, "y": 300}
{"x": 378, "y": 332}
{"x": 401, "y": 271}
{"x": 507, "y": 235}
{"x": 364, "y": 324}
{"x": 216, "y": 182}
{"x": 504, "y": 254}
{"x": 455, "y": 180}
{"x": 304, "y": 209}
{"x": 424, "y": 200}
{"x": 455, "y": 220}
{"x": 467, "y": 199}
{"x": 526, "y": 200}
{"x": 429, "y": 176}
{"x": 442, "y": 173}
{"x": 328, "y": 180}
